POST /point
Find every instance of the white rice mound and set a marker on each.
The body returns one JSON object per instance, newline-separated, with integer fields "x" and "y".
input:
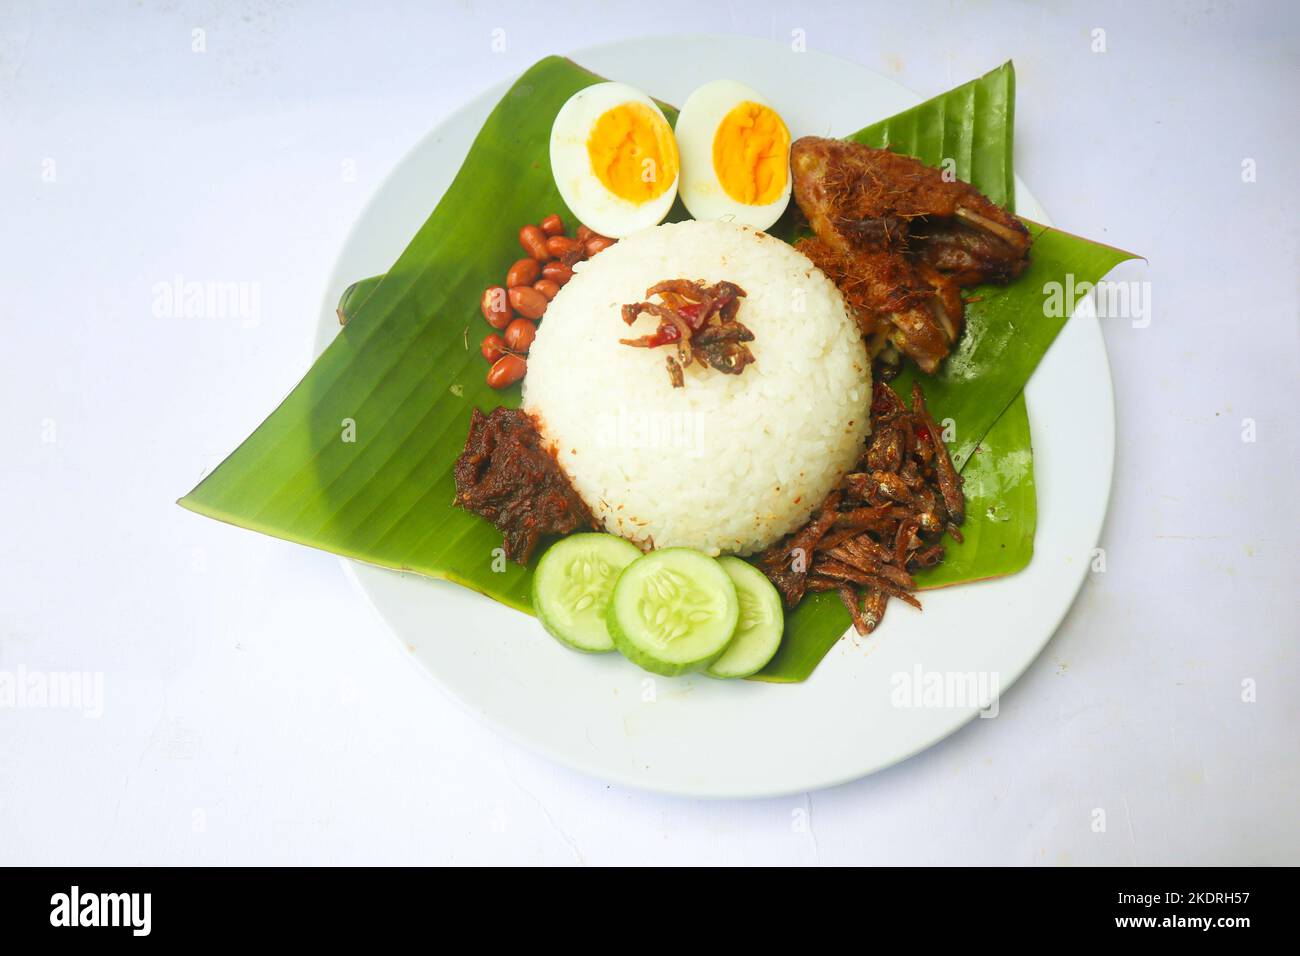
{"x": 729, "y": 463}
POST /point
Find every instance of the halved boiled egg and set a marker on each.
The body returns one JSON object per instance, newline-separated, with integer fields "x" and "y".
{"x": 614, "y": 159}
{"x": 735, "y": 155}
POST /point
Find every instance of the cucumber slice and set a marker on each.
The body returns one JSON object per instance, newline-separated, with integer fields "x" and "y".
{"x": 573, "y": 584}
{"x": 762, "y": 619}
{"x": 673, "y": 611}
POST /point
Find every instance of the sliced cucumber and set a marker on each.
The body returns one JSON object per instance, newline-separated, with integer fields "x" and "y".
{"x": 573, "y": 584}
{"x": 762, "y": 619}
{"x": 673, "y": 611}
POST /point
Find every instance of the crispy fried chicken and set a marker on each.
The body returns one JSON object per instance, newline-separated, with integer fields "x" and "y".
{"x": 901, "y": 241}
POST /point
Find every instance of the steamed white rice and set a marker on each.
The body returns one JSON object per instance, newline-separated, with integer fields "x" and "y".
{"x": 729, "y": 463}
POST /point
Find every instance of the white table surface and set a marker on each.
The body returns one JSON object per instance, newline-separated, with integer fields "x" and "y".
{"x": 256, "y": 711}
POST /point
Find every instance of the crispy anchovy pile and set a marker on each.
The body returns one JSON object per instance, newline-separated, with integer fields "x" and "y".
{"x": 885, "y": 519}
{"x": 700, "y": 321}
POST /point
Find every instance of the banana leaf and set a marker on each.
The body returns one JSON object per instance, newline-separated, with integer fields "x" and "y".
{"x": 357, "y": 459}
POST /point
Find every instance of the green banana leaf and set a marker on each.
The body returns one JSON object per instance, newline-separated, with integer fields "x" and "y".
{"x": 357, "y": 459}
{"x": 972, "y": 128}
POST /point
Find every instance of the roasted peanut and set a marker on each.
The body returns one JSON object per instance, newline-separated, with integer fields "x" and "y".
{"x": 534, "y": 242}
{"x": 523, "y": 272}
{"x": 493, "y": 347}
{"x": 557, "y": 272}
{"x": 558, "y": 246}
{"x": 495, "y": 306}
{"x": 597, "y": 244}
{"x": 547, "y": 287}
{"x": 520, "y": 334}
{"x": 553, "y": 225}
{"x": 506, "y": 371}
{"x": 584, "y": 233}
{"x": 528, "y": 302}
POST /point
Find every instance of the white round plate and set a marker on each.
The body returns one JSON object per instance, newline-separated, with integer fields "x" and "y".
{"x": 694, "y": 735}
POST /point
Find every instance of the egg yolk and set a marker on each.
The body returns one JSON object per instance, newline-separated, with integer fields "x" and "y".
{"x": 633, "y": 152}
{"x": 751, "y": 154}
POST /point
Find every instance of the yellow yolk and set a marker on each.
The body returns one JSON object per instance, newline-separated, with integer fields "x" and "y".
{"x": 633, "y": 152}
{"x": 751, "y": 154}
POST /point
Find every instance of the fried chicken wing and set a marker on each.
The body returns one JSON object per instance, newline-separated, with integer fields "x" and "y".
{"x": 900, "y": 241}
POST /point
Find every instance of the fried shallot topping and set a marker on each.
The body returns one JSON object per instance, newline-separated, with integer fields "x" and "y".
{"x": 507, "y": 475}
{"x": 700, "y": 322}
{"x": 885, "y": 520}
{"x": 900, "y": 240}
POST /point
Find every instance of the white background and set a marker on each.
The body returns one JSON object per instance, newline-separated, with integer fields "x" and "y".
{"x": 255, "y": 709}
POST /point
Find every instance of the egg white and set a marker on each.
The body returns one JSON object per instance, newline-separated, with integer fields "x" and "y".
{"x": 580, "y": 188}
{"x": 697, "y": 125}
